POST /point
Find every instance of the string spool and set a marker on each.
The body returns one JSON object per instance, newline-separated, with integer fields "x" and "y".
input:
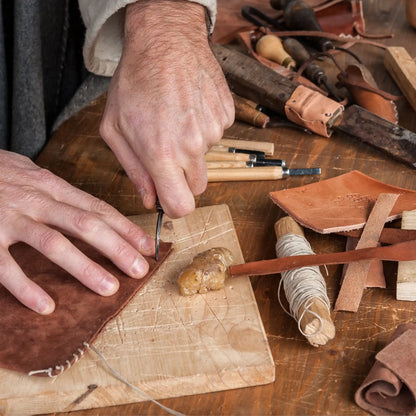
{"x": 270, "y": 47}
{"x": 305, "y": 288}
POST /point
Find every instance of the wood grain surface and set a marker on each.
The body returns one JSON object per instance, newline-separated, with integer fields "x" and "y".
{"x": 308, "y": 380}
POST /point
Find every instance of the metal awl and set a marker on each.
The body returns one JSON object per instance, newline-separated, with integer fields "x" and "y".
{"x": 160, "y": 213}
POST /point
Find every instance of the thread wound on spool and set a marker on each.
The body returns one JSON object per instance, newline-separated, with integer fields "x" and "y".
{"x": 303, "y": 284}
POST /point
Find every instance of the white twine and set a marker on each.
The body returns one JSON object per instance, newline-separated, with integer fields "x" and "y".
{"x": 132, "y": 386}
{"x": 303, "y": 284}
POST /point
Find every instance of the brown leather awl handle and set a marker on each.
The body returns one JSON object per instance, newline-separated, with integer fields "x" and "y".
{"x": 405, "y": 251}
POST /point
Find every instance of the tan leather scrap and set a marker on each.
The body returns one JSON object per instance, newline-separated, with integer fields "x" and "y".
{"x": 356, "y": 274}
{"x": 342, "y": 203}
{"x": 48, "y": 345}
{"x": 313, "y": 110}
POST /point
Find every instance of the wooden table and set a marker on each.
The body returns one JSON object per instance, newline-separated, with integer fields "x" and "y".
{"x": 308, "y": 380}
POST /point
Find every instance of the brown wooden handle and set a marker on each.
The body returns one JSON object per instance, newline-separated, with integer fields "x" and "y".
{"x": 224, "y": 164}
{"x": 245, "y": 174}
{"x": 214, "y": 156}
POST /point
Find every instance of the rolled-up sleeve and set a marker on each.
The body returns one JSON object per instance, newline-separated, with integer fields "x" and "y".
{"x": 104, "y": 21}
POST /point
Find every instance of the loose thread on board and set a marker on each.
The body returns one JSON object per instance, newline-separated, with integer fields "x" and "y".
{"x": 303, "y": 284}
{"x": 132, "y": 386}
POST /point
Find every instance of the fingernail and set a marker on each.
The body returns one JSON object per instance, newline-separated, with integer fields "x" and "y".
{"x": 45, "y": 306}
{"x": 108, "y": 286}
{"x": 147, "y": 245}
{"x": 139, "y": 268}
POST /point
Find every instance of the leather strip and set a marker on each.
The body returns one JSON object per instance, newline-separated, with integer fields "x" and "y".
{"x": 353, "y": 285}
{"x": 313, "y": 110}
{"x": 404, "y": 251}
{"x": 388, "y": 235}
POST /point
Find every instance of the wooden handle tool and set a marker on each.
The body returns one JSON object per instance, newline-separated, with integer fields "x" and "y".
{"x": 266, "y": 147}
{"x": 318, "y": 331}
{"x": 271, "y": 47}
{"x": 261, "y": 173}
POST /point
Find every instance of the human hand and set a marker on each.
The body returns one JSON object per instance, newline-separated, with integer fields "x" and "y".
{"x": 36, "y": 206}
{"x": 167, "y": 104}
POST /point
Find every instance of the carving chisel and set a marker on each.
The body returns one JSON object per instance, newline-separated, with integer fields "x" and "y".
{"x": 160, "y": 213}
{"x": 263, "y": 173}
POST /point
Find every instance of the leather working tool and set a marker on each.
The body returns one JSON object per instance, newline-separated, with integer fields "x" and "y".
{"x": 160, "y": 213}
{"x": 404, "y": 251}
{"x": 253, "y": 80}
{"x": 292, "y": 46}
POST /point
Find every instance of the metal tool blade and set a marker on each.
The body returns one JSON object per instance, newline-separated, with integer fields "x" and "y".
{"x": 379, "y": 132}
{"x": 160, "y": 212}
{"x": 302, "y": 171}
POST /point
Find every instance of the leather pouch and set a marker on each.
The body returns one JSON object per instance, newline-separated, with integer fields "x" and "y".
{"x": 340, "y": 17}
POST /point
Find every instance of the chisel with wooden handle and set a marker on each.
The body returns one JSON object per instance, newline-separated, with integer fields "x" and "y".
{"x": 263, "y": 173}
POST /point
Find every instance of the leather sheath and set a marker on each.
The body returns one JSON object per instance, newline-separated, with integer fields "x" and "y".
{"x": 313, "y": 111}
{"x": 397, "y": 252}
{"x": 33, "y": 342}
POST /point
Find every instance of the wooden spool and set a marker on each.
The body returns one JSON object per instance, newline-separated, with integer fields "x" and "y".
{"x": 309, "y": 324}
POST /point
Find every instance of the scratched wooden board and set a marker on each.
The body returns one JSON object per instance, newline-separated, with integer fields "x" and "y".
{"x": 166, "y": 344}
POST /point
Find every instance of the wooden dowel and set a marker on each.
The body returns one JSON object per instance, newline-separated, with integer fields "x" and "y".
{"x": 309, "y": 323}
{"x": 223, "y": 164}
{"x": 245, "y": 174}
{"x": 265, "y": 147}
{"x": 245, "y": 110}
{"x": 215, "y": 156}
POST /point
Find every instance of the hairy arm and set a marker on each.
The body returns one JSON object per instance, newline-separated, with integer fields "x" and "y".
{"x": 168, "y": 102}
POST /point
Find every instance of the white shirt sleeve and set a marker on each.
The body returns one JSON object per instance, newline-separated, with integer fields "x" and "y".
{"x": 104, "y": 20}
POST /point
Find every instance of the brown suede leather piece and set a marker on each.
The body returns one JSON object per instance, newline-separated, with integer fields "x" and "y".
{"x": 342, "y": 18}
{"x": 341, "y": 203}
{"x": 29, "y": 341}
{"x": 390, "y": 387}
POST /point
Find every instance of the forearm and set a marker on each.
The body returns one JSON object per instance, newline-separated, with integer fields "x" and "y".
{"x": 105, "y": 19}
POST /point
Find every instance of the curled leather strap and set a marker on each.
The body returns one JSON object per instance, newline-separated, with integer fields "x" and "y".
{"x": 313, "y": 110}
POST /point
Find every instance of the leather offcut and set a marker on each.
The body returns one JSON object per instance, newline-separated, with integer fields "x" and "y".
{"x": 32, "y": 342}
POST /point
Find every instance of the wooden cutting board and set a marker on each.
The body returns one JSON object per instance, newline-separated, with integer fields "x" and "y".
{"x": 165, "y": 344}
